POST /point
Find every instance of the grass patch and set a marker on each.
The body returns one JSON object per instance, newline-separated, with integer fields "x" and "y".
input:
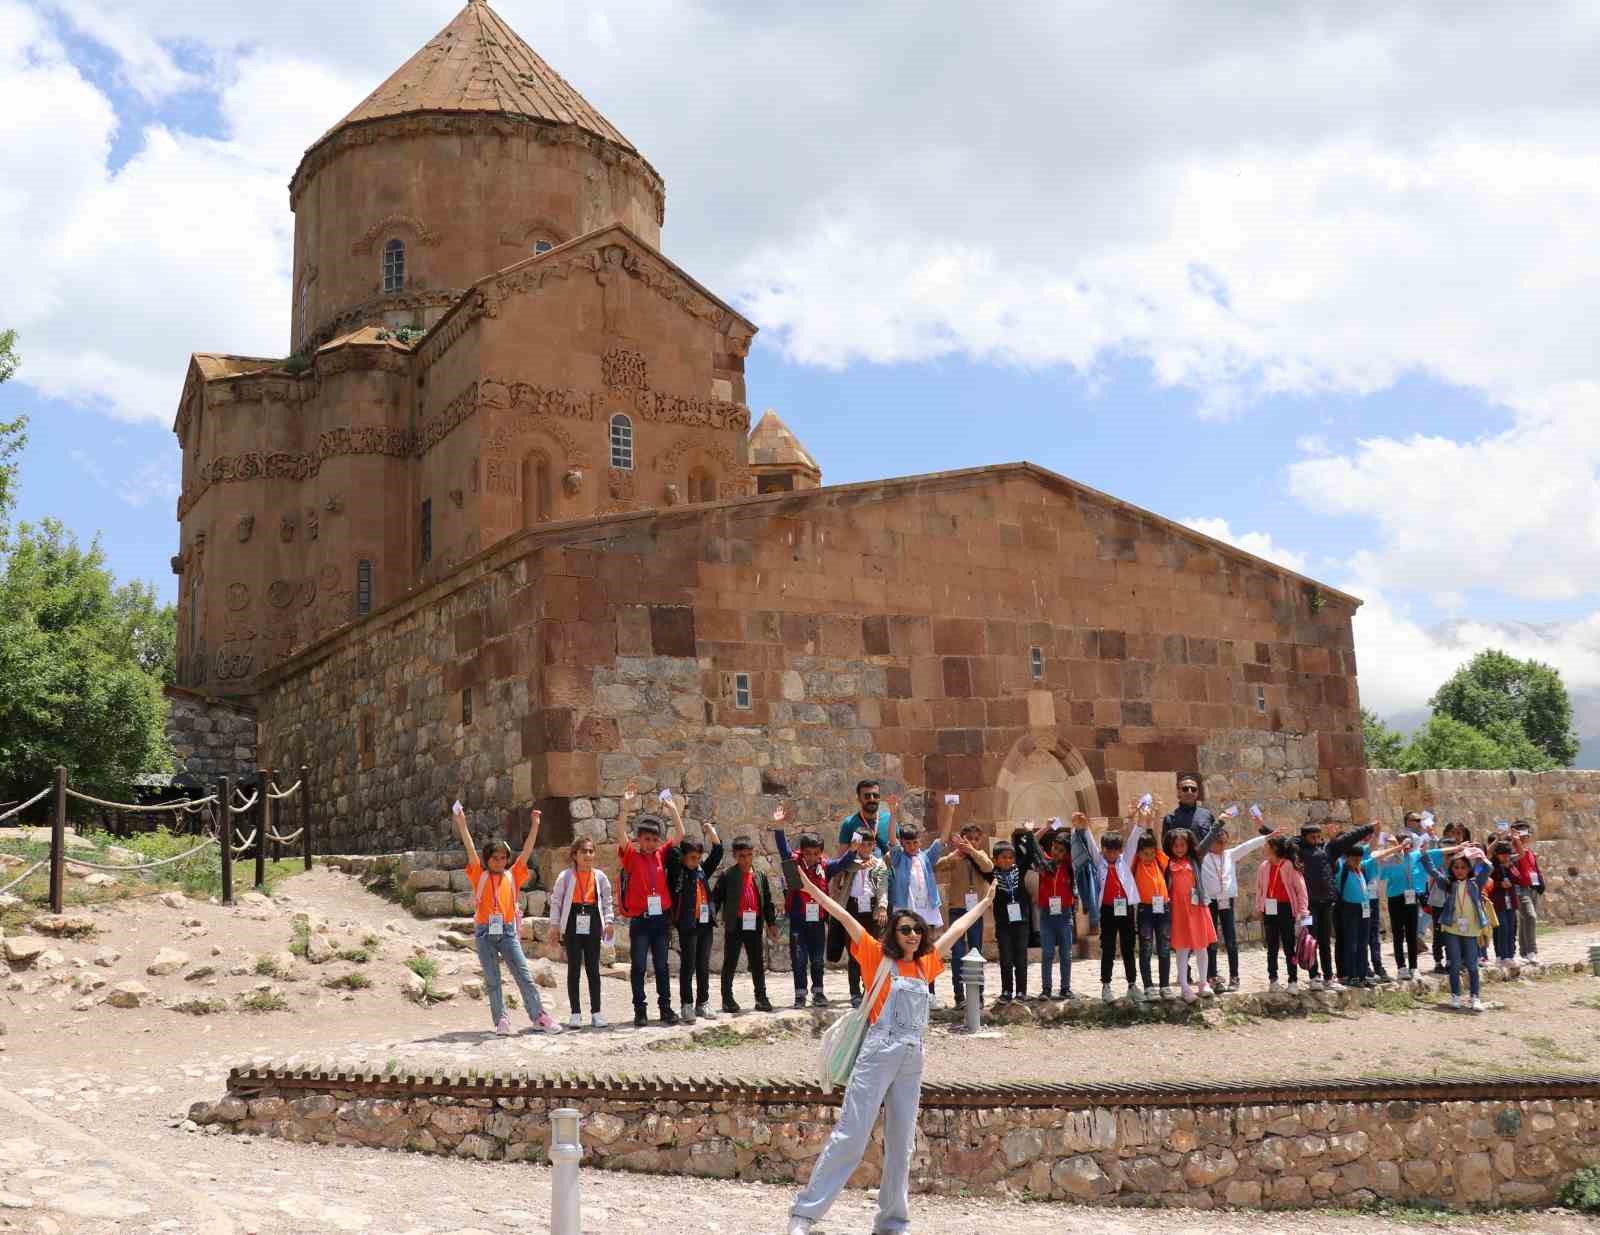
{"x": 301, "y": 940}
{"x": 1320, "y": 1018}
{"x": 355, "y": 980}
{"x": 425, "y": 967}
{"x": 263, "y": 1001}
{"x": 1409, "y": 1213}
{"x": 391, "y": 1066}
{"x": 385, "y": 885}
{"x": 1582, "y": 1191}
{"x": 371, "y": 941}
{"x": 205, "y": 1005}
{"x": 1592, "y": 1002}
{"x": 268, "y": 967}
{"x": 356, "y": 956}
{"x": 1546, "y": 1048}
{"x": 720, "y": 1038}
{"x": 1396, "y": 1002}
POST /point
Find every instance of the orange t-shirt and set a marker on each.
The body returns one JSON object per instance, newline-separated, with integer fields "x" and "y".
{"x": 582, "y": 887}
{"x": 869, "y": 955}
{"x": 1151, "y": 878}
{"x": 499, "y": 893}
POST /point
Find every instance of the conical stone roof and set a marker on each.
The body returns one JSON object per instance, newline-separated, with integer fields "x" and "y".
{"x": 480, "y": 64}
{"x": 773, "y": 444}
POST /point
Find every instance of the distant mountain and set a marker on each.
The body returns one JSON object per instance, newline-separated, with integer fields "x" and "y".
{"x": 1556, "y": 643}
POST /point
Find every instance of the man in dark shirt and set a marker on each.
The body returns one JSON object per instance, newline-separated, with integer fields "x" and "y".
{"x": 1189, "y": 813}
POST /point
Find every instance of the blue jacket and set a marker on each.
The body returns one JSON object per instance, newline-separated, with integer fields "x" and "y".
{"x": 1446, "y": 883}
{"x": 900, "y": 875}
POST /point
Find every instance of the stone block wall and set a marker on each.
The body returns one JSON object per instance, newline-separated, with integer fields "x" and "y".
{"x": 1286, "y": 1156}
{"x": 211, "y": 737}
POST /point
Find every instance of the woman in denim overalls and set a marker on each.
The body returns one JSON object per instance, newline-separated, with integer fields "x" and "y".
{"x": 888, "y": 1071}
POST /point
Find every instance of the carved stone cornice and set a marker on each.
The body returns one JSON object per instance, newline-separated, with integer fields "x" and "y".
{"x": 425, "y": 235}
{"x": 296, "y": 465}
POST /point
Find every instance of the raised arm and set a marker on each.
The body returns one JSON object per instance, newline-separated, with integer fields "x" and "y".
{"x": 710, "y": 833}
{"x": 836, "y": 911}
{"x": 947, "y": 820}
{"x": 1246, "y": 848}
{"x": 459, "y": 818}
{"x": 534, "y": 819}
{"x": 958, "y": 929}
{"x": 630, "y": 800}
{"x": 676, "y": 812}
{"x": 979, "y": 858}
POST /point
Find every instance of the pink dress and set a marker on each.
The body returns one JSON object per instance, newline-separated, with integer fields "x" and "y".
{"x": 1191, "y": 922}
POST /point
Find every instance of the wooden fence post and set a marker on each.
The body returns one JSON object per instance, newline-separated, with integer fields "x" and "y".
{"x": 305, "y": 813}
{"x": 263, "y": 826}
{"x": 58, "y": 843}
{"x": 225, "y": 831}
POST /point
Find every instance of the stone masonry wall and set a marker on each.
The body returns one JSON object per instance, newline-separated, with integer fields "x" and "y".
{"x": 1462, "y": 1154}
{"x": 211, "y": 737}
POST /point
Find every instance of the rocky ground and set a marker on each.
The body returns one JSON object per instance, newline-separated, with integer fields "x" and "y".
{"x": 138, "y": 1008}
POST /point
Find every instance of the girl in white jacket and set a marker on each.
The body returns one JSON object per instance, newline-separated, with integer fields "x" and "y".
{"x": 1219, "y": 883}
{"x": 581, "y": 915}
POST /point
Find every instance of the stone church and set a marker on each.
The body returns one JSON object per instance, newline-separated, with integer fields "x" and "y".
{"x": 499, "y": 528}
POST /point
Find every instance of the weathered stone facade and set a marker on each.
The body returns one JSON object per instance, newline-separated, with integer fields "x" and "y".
{"x": 1461, "y": 1154}
{"x": 211, "y": 737}
{"x": 1002, "y": 633}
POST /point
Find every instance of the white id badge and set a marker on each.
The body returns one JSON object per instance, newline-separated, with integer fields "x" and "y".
{"x": 1269, "y": 907}
{"x": 705, "y": 913}
{"x": 1225, "y": 902}
{"x": 1158, "y": 904}
{"x": 972, "y": 900}
{"x": 497, "y": 924}
{"x": 1013, "y": 912}
{"x": 1119, "y": 908}
{"x": 1194, "y": 896}
{"x": 813, "y": 912}
{"x": 1538, "y": 881}
{"x": 749, "y": 921}
{"x": 1366, "y": 909}
{"x": 1055, "y": 904}
{"x": 652, "y": 906}
{"x": 1411, "y": 896}
{"x": 582, "y": 925}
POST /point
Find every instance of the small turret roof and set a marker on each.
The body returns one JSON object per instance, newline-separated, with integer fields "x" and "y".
{"x": 773, "y": 444}
{"x": 480, "y": 64}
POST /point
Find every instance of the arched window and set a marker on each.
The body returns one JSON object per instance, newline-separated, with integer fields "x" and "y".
{"x": 394, "y": 265}
{"x": 622, "y": 442}
{"x": 538, "y": 491}
{"x": 542, "y": 246}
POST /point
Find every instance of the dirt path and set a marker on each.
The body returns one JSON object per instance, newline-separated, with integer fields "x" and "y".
{"x": 91, "y": 1100}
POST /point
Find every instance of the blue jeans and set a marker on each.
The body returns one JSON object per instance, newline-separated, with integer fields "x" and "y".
{"x": 1352, "y": 942}
{"x": 1055, "y": 933}
{"x": 491, "y": 950}
{"x": 972, "y": 940}
{"x": 1462, "y": 951}
{"x": 647, "y": 941}
{"x": 808, "y": 942}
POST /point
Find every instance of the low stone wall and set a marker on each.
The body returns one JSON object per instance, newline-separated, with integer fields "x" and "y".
{"x": 1463, "y": 1154}
{"x": 211, "y": 737}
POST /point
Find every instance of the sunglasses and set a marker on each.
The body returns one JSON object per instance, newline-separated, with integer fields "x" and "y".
{"x": 1188, "y": 788}
{"x": 908, "y": 930}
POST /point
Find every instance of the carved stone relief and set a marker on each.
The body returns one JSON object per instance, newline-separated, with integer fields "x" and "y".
{"x": 623, "y": 367}
{"x": 334, "y": 505}
{"x": 500, "y": 477}
{"x": 279, "y": 593}
{"x": 247, "y": 524}
{"x": 233, "y": 662}
{"x": 305, "y": 593}
{"x": 313, "y": 528}
{"x": 572, "y": 481}
{"x": 329, "y": 577}
{"x": 238, "y": 596}
{"x": 286, "y": 528}
{"x": 457, "y": 498}
{"x": 670, "y": 496}
{"x": 620, "y": 483}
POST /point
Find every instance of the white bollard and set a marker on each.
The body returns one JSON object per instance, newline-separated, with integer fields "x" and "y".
{"x": 566, "y": 1151}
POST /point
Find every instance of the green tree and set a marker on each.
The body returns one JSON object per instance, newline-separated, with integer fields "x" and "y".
{"x": 1445, "y": 742}
{"x": 13, "y": 433}
{"x": 70, "y": 692}
{"x": 148, "y": 630}
{"x": 1384, "y": 745}
{"x": 1498, "y": 694}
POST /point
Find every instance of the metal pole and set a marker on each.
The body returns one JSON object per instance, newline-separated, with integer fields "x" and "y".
{"x": 972, "y": 985}
{"x": 305, "y": 813}
{"x": 225, "y": 836}
{"x": 566, "y": 1151}
{"x": 263, "y": 826}
{"x": 58, "y": 843}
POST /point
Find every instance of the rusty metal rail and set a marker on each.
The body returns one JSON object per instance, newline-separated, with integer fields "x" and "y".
{"x": 251, "y": 1081}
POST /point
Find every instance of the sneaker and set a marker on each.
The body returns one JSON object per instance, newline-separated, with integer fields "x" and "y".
{"x": 1045, "y": 994}
{"x": 1190, "y": 997}
{"x": 596, "y": 1021}
{"x": 703, "y": 1012}
{"x": 640, "y": 1020}
{"x": 1383, "y": 976}
{"x": 1233, "y": 984}
{"x": 1402, "y": 975}
{"x": 855, "y": 1001}
{"x": 800, "y": 1000}
{"x": 686, "y": 1014}
{"x": 503, "y": 1026}
{"x": 1477, "y": 1004}
{"x": 668, "y": 1016}
{"x": 763, "y": 1005}
{"x": 1167, "y": 993}
{"x": 819, "y": 1000}
{"x": 545, "y": 1023}
{"x": 1294, "y": 987}
{"x": 1207, "y": 993}
{"x": 1069, "y": 995}
{"x": 1455, "y": 1001}
{"x": 1105, "y": 992}
{"x": 1274, "y": 985}
{"x": 1314, "y": 984}
{"x": 1333, "y": 984}
{"x": 1135, "y": 995}
{"x": 575, "y": 1021}
{"x": 800, "y": 1226}
{"x": 731, "y": 1008}
{"x": 1438, "y": 968}
{"x": 1005, "y": 998}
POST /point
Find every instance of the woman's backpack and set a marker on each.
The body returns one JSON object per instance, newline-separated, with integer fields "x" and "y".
{"x": 841, "y": 1041}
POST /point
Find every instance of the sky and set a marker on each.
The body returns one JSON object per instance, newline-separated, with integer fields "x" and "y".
{"x": 1313, "y": 277}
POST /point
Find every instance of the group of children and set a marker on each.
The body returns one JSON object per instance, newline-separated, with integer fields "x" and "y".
{"x": 1171, "y": 898}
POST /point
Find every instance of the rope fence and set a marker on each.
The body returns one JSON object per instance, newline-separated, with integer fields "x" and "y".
{"x": 20, "y": 878}
{"x": 214, "y": 828}
{"x": 22, "y": 806}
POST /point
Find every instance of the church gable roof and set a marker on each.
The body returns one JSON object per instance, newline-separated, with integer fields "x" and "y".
{"x": 773, "y": 443}
{"x": 480, "y": 64}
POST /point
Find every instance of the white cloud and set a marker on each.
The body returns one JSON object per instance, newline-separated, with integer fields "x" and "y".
{"x": 155, "y": 480}
{"x": 1258, "y": 543}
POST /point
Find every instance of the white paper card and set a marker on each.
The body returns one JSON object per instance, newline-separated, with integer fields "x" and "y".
{"x": 666, "y": 795}
{"x": 1055, "y": 904}
{"x": 1013, "y": 912}
{"x": 582, "y": 924}
{"x": 1158, "y": 904}
{"x": 952, "y": 799}
{"x": 456, "y": 809}
{"x": 705, "y": 913}
{"x": 497, "y": 924}
{"x": 1411, "y": 897}
{"x": 1269, "y": 907}
{"x": 1366, "y": 909}
{"x": 652, "y": 905}
{"x": 972, "y": 900}
{"x": 1194, "y": 896}
{"x": 1119, "y": 908}
{"x": 749, "y": 921}
{"x": 813, "y": 911}
{"x": 1225, "y": 902}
